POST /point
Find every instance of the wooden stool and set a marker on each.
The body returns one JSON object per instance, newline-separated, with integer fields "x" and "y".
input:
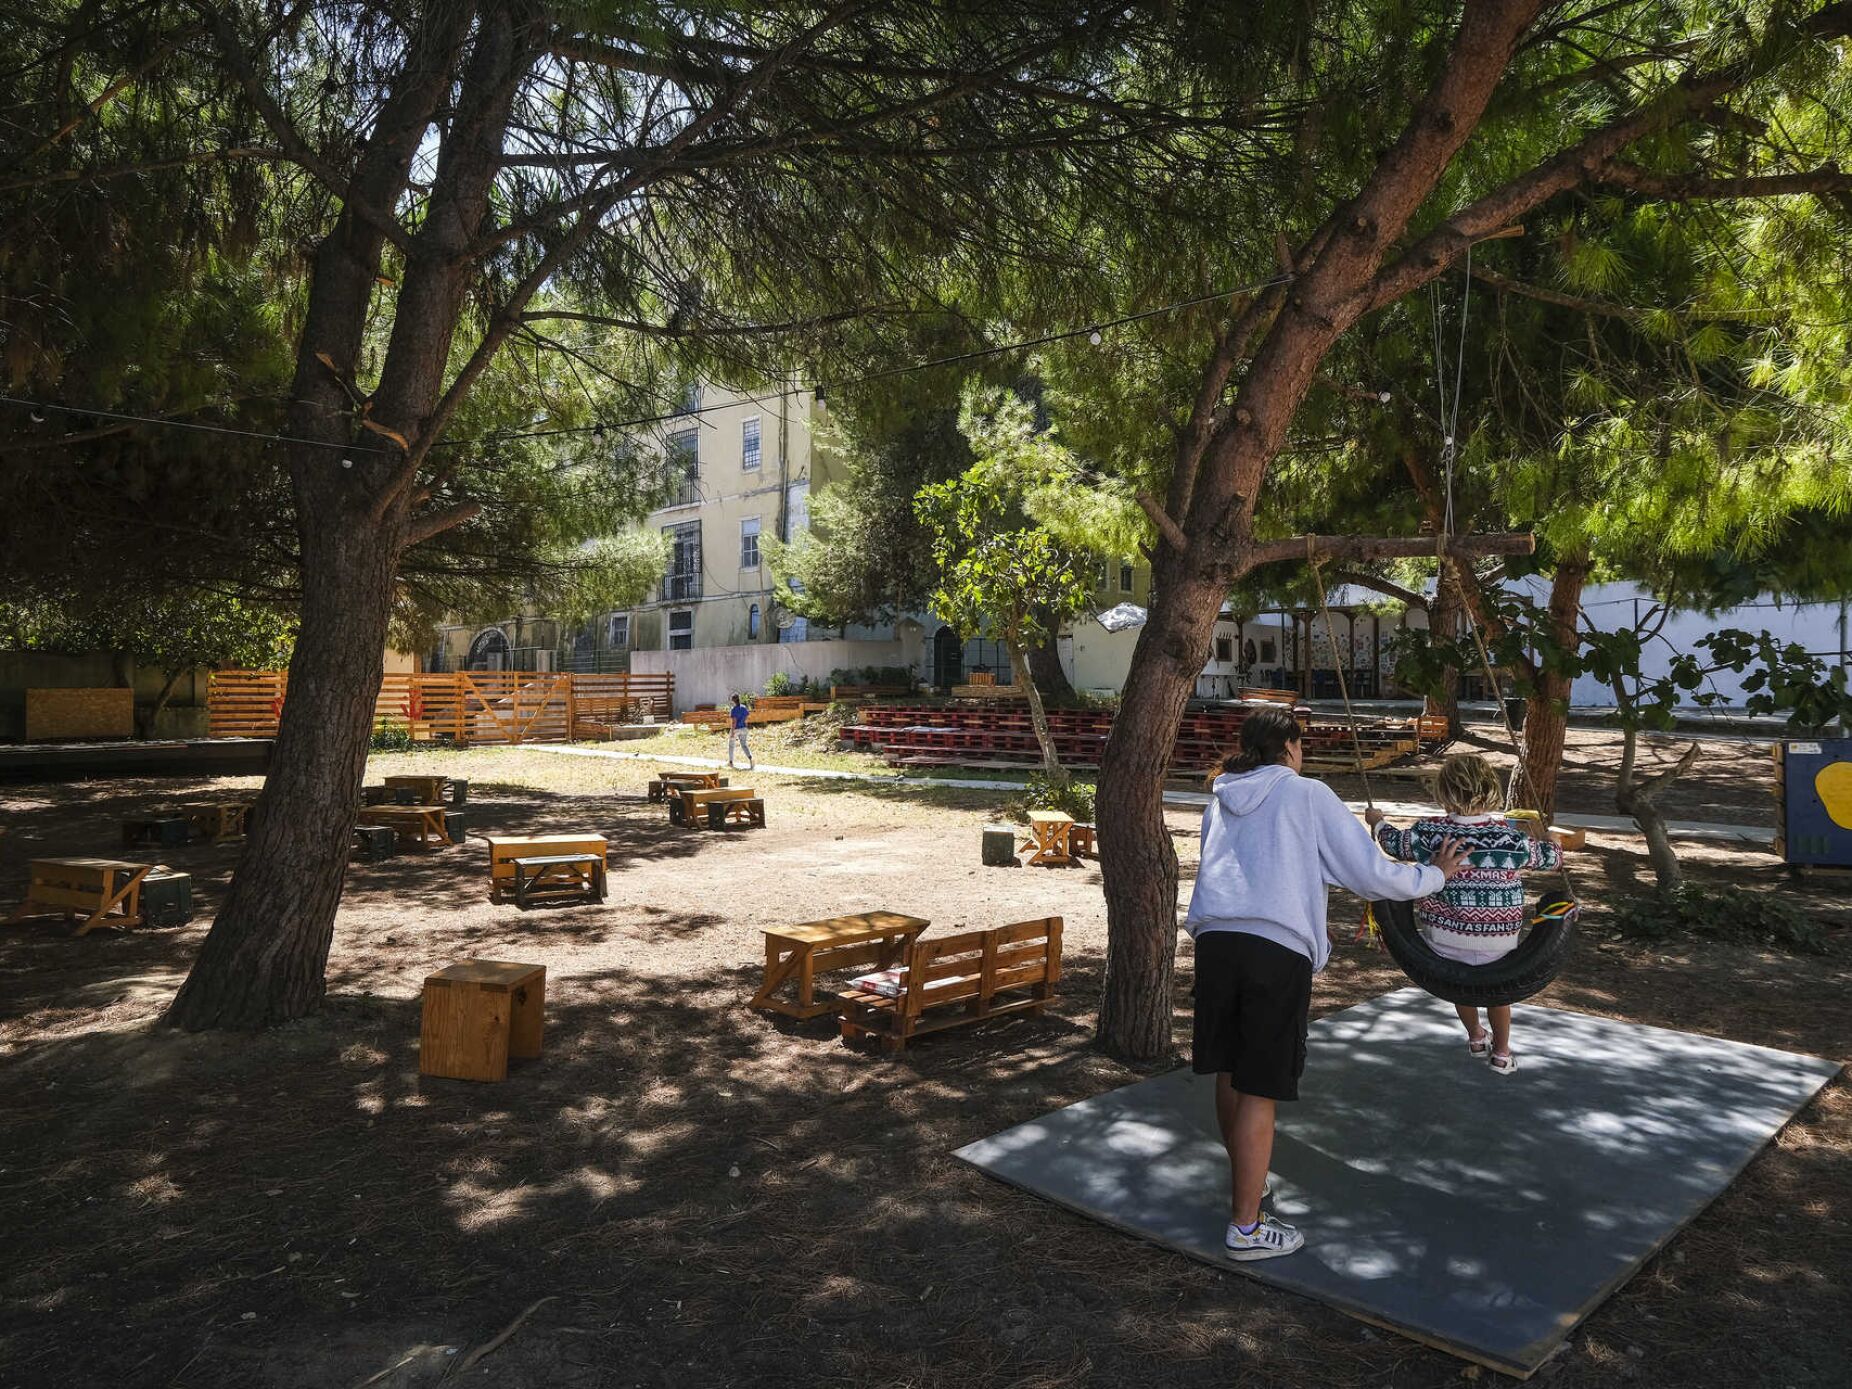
{"x": 477, "y": 1014}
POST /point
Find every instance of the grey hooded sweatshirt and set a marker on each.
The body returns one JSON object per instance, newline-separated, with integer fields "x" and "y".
{"x": 1272, "y": 842}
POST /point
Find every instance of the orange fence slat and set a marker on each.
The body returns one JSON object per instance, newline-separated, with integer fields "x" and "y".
{"x": 463, "y": 707}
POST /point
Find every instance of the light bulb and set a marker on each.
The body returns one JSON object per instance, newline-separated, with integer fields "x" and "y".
{"x": 1383, "y": 396}
{"x": 1094, "y": 337}
{"x": 347, "y": 462}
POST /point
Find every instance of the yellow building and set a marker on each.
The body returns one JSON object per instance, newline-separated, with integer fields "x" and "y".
{"x": 745, "y": 466}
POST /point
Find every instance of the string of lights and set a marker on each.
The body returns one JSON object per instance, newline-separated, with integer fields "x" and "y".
{"x": 1093, "y": 332}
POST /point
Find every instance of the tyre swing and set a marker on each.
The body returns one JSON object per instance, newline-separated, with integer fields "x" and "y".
{"x": 1530, "y": 967}
{"x": 1539, "y": 955}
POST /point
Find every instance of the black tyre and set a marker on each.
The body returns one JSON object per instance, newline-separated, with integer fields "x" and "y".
{"x": 1512, "y": 979}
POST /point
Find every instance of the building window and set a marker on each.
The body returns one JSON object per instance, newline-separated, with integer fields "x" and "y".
{"x": 1100, "y": 583}
{"x": 752, "y": 623}
{"x": 749, "y": 543}
{"x": 690, "y": 401}
{"x": 1125, "y": 578}
{"x": 749, "y": 443}
{"x": 683, "y": 579}
{"x": 794, "y": 628}
{"x": 681, "y": 630}
{"x": 1224, "y": 649}
{"x": 1267, "y": 651}
{"x": 617, "y": 632}
{"x": 682, "y": 463}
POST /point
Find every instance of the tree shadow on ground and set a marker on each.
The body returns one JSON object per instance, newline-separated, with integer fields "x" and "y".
{"x": 706, "y": 1195}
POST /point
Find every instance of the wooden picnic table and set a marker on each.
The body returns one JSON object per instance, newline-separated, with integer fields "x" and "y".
{"x": 218, "y": 822}
{"x": 104, "y": 891}
{"x": 688, "y": 807}
{"x": 429, "y": 789}
{"x": 504, "y": 849}
{"x": 1048, "y": 837}
{"x": 420, "y": 823}
{"x": 878, "y": 938}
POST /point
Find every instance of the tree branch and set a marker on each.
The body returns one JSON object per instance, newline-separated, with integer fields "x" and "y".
{"x": 1828, "y": 178}
{"x": 1581, "y": 162}
{"x": 1168, "y": 528}
{"x": 422, "y": 528}
{"x": 289, "y": 138}
{"x": 1362, "y": 578}
{"x": 1508, "y": 285}
{"x": 1376, "y": 547}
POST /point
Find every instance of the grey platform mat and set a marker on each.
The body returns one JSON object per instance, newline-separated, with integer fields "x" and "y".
{"x": 1485, "y": 1215}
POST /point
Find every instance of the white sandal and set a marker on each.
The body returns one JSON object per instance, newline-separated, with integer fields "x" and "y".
{"x": 1504, "y": 1065}
{"x": 1480, "y": 1044}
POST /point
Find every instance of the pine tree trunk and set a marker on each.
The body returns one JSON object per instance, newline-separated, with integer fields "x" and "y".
{"x": 1546, "y": 715}
{"x": 1019, "y": 669}
{"x": 265, "y": 959}
{"x": 1139, "y": 864}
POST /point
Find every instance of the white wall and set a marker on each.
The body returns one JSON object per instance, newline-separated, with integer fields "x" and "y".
{"x": 1615, "y": 607}
{"x": 710, "y": 674}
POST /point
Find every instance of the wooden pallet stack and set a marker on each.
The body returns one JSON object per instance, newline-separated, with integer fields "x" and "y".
{"x": 1004, "y": 736}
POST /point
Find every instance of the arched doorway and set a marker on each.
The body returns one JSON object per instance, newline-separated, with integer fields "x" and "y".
{"x": 948, "y": 659}
{"x": 489, "y": 651}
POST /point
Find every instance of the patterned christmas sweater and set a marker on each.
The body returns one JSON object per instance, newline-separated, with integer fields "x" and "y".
{"x": 1482, "y": 906}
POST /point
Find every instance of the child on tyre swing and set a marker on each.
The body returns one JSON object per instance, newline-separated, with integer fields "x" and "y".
{"x": 1479, "y": 916}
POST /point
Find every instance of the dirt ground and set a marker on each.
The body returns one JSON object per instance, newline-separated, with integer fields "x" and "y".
{"x": 682, "y": 1191}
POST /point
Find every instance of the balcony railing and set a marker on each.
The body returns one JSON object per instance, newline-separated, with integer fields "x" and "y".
{"x": 678, "y": 588}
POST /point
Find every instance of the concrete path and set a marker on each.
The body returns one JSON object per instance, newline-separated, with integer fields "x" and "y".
{"x": 1603, "y": 824}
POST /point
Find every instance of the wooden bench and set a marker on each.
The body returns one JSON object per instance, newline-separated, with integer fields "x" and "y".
{"x": 667, "y": 782}
{"x": 373, "y": 842}
{"x": 738, "y": 810}
{"x": 694, "y": 809}
{"x": 477, "y": 1014}
{"x": 216, "y": 824}
{"x": 164, "y": 830}
{"x": 102, "y": 891}
{"x": 426, "y": 790}
{"x": 559, "y": 878}
{"x": 1081, "y": 840}
{"x": 584, "y": 882}
{"x": 952, "y": 981}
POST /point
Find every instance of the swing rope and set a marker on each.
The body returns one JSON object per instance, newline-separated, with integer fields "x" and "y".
{"x": 1350, "y": 714}
{"x": 1553, "y": 922}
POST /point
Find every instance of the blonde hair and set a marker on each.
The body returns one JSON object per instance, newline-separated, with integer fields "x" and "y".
{"x": 1468, "y": 785}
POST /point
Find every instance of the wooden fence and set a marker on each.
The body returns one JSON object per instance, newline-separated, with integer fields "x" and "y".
{"x": 464, "y": 707}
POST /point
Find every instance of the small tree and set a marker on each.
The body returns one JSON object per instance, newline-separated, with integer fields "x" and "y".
{"x": 176, "y": 632}
{"x": 1780, "y": 678}
{"x": 998, "y": 571}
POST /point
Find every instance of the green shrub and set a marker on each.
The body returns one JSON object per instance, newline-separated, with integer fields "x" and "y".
{"x": 1070, "y": 797}
{"x": 391, "y": 737}
{"x": 779, "y": 684}
{"x": 1719, "y": 913}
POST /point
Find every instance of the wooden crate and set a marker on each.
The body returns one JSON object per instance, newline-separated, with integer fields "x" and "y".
{"x": 504, "y": 849}
{"x": 54, "y": 714}
{"x": 477, "y": 1014}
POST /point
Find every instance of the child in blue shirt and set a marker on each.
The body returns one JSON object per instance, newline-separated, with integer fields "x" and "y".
{"x": 737, "y": 733}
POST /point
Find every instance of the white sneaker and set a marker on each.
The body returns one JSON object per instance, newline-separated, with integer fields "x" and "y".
{"x": 1269, "y": 1240}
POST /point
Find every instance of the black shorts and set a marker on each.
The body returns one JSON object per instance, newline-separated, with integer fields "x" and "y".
{"x": 1252, "y": 998}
